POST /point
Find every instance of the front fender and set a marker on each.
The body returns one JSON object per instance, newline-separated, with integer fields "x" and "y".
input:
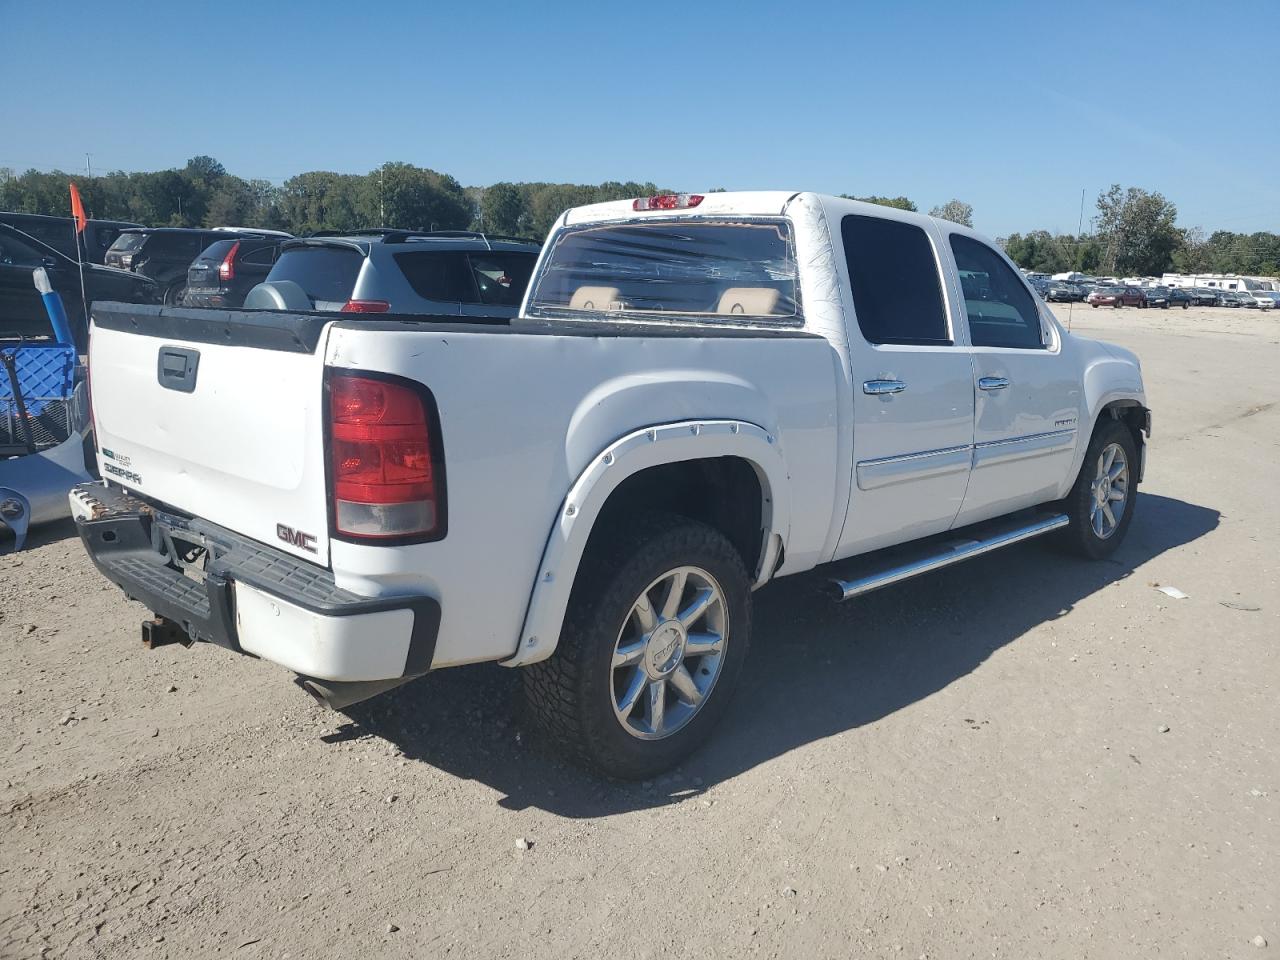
{"x": 1111, "y": 375}
{"x": 644, "y": 448}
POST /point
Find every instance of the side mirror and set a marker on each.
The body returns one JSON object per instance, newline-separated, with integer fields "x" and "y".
{"x": 48, "y": 262}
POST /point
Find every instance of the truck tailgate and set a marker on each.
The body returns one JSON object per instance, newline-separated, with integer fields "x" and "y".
{"x": 217, "y": 414}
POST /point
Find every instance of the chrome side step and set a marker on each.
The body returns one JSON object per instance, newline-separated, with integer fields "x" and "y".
{"x": 945, "y": 554}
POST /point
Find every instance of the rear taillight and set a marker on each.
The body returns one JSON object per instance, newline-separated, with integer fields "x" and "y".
{"x": 227, "y": 268}
{"x": 386, "y": 459}
{"x": 366, "y": 306}
{"x": 668, "y": 201}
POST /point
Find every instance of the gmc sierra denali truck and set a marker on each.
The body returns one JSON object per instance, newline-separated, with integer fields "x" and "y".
{"x": 700, "y": 393}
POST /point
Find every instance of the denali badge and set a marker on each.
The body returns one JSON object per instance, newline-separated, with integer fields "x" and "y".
{"x": 296, "y": 538}
{"x": 128, "y": 476}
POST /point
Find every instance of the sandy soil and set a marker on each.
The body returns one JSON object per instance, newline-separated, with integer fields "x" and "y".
{"x": 1024, "y": 756}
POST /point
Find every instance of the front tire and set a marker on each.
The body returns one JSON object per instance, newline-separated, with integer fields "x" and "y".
{"x": 1101, "y": 503}
{"x": 652, "y": 648}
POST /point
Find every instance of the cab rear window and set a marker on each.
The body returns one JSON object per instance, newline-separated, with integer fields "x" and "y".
{"x": 721, "y": 270}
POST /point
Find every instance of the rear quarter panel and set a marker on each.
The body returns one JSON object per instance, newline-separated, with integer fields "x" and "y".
{"x": 523, "y": 415}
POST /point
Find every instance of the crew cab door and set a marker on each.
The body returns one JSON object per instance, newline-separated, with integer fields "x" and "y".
{"x": 1027, "y": 393}
{"x": 912, "y": 387}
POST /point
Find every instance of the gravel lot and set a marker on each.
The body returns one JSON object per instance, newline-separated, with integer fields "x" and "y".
{"x": 1024, "y": 756}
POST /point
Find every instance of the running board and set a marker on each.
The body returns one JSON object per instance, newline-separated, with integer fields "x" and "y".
{"x": 944, "y": 553}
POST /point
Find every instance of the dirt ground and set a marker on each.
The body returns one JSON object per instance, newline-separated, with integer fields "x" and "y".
{"x": 1024, "y": 756}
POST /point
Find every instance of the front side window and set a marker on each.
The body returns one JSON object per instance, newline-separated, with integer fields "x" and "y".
{"x": 13, "y": 252}
{"x": 893, "y": 272}
{"x": 726, "y": 270}
{"x": 1000, "y": 309}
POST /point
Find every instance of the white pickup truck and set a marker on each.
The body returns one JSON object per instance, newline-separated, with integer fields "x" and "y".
{"x": 700, "y": 394}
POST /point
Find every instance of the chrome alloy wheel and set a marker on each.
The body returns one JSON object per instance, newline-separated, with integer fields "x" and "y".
{"x": 1110, "y": 491}
{"x": 669, "y": 653}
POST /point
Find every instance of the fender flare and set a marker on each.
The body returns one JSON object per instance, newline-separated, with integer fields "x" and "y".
{"x": 648, "y": 447}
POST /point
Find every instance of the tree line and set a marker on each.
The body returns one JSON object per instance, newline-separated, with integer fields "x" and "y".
{"x": 1134, "y": 231}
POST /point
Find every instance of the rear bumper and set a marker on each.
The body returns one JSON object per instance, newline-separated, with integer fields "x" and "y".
{"x": 249, "y": 597}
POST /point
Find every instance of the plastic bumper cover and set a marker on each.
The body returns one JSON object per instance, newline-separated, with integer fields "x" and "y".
{"x": 249, "y": 597}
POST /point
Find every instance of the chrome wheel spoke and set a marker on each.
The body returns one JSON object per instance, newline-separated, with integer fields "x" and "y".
{"x": 696, "y": 610}
{"x": 1095, "y": 518}
{"x": 657, "y": 705}
{"x": 700, "y": 644}
{"x": 675, "y": 593}
{"x": 685, "y": 688}
{"x": 1116, "y": 495}
{"x": 1110, "y": 517}
{"x": 631, "y": 654}
{"x": 644, "y": 613}
{"x": 635, "y": 687}
{"x": 1116, "y": 471}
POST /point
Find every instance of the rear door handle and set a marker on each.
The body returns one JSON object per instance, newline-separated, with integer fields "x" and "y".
{"x": 993, "y": 383}
{"x": 880, "y": 388}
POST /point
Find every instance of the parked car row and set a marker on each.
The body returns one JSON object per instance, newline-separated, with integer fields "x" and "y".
{"x": 1122, "y": 295}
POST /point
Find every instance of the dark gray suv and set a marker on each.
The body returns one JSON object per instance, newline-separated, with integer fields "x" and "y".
{"x": 443, "y": 272}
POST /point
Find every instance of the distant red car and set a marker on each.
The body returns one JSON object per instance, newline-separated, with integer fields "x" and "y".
{"x": 1117, "y": 297}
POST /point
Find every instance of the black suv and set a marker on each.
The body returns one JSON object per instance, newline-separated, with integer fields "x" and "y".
{"x": 228, "y": 269}
{"x": 165, "y": 253}
{"x": 60, "y": 233}
{"x": 21, "y": 307}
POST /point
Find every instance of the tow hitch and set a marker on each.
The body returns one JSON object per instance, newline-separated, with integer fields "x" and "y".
{"x": 162, "y": 630}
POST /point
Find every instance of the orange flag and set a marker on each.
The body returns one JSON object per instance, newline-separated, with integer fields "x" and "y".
{"x": 77, "y": 210}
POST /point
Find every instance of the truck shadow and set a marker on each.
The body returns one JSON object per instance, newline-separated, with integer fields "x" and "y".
{"x": 817, "y": 668}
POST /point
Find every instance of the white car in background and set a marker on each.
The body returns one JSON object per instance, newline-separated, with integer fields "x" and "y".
{"x": 1265, "y": 299}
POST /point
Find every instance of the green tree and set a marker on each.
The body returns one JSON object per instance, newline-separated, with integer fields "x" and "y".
{"x": 503, "y": 209}
{"x": 901, "y": 203}
{"x": 957, "y": 211}
{"x": 1138, "y": 231}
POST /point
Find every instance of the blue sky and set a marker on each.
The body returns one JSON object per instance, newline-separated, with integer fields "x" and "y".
{"x": 1013, "y": 107}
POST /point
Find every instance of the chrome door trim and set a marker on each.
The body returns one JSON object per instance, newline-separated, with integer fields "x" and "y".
{"x": 873, "y": 474}
{"x": 994, "y": 452}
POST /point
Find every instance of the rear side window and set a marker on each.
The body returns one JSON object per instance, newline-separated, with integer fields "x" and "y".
{"x": 325, "y": 273}
{"x": 260, "y": 257}
{"x": 722, "y": 270}
{"x": 437, "y": 275}
{"x": 894, "y": 274}
{"x": 1001, "y": 311}
{"x": 501, "y": 278}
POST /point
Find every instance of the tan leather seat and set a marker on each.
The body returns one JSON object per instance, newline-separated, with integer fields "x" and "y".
{"x": 594, "y": 298}
{"x": 748, "y": 301}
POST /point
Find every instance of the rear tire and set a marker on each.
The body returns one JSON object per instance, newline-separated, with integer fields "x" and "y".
{"x": 626, "y": 692}
{"x": 174, "y": 294}
{"x": 1101, "y": 511}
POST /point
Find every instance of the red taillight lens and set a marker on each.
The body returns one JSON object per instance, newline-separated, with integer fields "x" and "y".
{"x": 668, "y": 201}
{"x": 227, "y": 268}
{"x": 366, "y": 306}
{"x": 385, "y": 458}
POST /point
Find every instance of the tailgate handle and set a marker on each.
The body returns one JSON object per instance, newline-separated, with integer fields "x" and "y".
{"x": 176, "y": 368}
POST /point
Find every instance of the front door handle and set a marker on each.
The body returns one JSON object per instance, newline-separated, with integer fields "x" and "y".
{"x": 993, "y": 383}
{"x": 880, "y": 388}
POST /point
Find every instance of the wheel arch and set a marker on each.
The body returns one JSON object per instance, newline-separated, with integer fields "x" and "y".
{"x": 721, "y": 455}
